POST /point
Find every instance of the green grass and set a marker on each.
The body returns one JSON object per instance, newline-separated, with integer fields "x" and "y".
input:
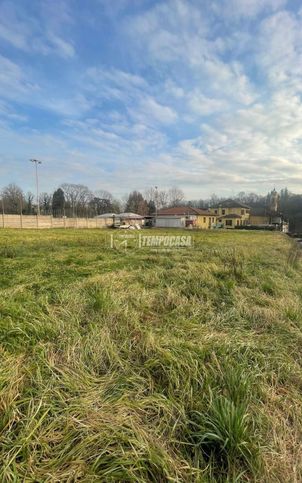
{"x": 138, "y": 365}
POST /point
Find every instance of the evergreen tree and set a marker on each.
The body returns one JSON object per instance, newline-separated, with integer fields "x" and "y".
{"x": 136, "y": 204}
{"x": 58, "y": 202}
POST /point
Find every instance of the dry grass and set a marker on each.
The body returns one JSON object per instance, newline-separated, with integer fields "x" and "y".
{"x": 141, "y": 366}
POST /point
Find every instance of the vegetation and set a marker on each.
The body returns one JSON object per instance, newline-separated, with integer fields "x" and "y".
{"x": 137, "y": 365}
{"x": 77, "y": 200}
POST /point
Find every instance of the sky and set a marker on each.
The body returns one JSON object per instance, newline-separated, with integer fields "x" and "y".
{"x": 128, "y": 94}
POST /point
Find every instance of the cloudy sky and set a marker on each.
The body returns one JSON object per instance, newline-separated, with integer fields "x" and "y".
{"x": 125, "y": 94}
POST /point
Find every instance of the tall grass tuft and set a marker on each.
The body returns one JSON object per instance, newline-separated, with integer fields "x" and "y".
{"x": 135, "y": 366}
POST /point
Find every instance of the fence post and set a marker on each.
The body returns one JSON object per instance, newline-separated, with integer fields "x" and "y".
{"x": 21, "y": 207}
{"x": 2, "y": 212}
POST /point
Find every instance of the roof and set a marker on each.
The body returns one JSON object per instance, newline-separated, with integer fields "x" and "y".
{"x": 183, "y": 210}
{"x": 169, "y": 217}
{"x": 231, "y": 204}
{"x": 231, "y": 215}
{"x": 130, "y": 216}
{"x": 107, "y": 215}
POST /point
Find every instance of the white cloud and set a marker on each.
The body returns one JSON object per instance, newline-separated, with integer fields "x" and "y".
{"x": 204, "y": 106}
{"x": 13, "y": 82}
{"x": 149, "y": 111}
{"x": 203, "y": 98}
{"x": 32, "y": 35}
{"x": 179, "y": 35}
{"x": 246, "y": 8}
{"x": 279, "y": 50}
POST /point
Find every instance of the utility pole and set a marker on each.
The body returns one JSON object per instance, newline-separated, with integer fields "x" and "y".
{"x": 36, "y": 161}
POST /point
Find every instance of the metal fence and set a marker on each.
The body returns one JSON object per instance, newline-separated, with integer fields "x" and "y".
{"x": 43, "y": 221}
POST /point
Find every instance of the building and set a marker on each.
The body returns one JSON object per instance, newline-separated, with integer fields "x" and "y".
{"x": 131, "y": 219}
{"x": 270, "y": 215}
{"x": 115, "y": 220}
{"x": 185, "y": 216}
{"x": 170, "y": 221}
{"x": 231, "y": 213}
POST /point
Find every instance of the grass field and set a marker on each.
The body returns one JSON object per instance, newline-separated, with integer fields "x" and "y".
{"x": 137, "y": 365}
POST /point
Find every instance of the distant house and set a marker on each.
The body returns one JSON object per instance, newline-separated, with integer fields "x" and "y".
{"x": 184, "y": 216}
{"x": 270, "y": 215}
{"x": 131, "y": 219}
{"x": 231, "y": 213}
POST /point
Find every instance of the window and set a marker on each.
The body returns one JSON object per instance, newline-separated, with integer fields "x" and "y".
{"x": 237, "y": 222}
{"x": 228, "y": 223}
{"x": 242, "y": 212}
{"x": 213, "y": 219}
{"x": 216, "y": 211}
{"x": 204, "y": 219}
{"x": 223, "y": 212}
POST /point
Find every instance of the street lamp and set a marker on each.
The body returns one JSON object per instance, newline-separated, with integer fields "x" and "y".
{"x": 36, "y": 161}
{"x": 156, "y": 200}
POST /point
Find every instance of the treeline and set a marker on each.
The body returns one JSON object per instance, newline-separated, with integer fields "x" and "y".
{"x": 77, "y": 200}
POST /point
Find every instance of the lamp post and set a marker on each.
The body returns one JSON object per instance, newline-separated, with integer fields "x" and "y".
{"x": 36, "y": 161}
{"x": 156, "y": 200}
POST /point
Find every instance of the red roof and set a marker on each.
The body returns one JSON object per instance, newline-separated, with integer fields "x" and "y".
{"x": 183, "y": 210}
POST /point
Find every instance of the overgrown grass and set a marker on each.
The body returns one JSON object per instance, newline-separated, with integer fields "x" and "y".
{"x": 137, "y": 365}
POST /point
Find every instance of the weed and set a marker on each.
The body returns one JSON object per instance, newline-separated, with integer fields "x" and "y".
{"x": 140, "y": 366}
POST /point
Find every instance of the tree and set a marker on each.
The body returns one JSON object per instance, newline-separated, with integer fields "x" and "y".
{"x": 103, "y": 194}
{"x": 102, "y": 202}
{"x": 214, "y": 200}
{"x": 13, "y": 199}
{"x": 284, "y": 199}
{"x": 58, "y": 202}
{"x": 175, "y": 196}
{"x": 45, "y": 203}
{"x": 151, "y": 207}
{"x": 159, "y": 197}
{"x": 99, "y": 206}
{"x": 136, "y": 204}
{"x": 29, "y": 198}
{"x": 77, "y": 197}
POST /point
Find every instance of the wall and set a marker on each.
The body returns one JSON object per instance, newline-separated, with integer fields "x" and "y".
{"x": 236, "y": 211}
{"x": 29, "y": 221}
{"x": 259, "y": 220}
{"x": 205, "y": 222}
{"x": 170, "y": 222}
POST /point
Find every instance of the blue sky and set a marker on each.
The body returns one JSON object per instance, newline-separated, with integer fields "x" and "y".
{"x": 128, "y": 94}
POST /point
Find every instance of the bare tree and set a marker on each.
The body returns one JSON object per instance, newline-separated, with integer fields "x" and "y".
{"x": 77, "y": 197}
{"x": 175, "y": 196}
{"x": 45, "y": 203}
{"x": 159, "y": 197}
{"x": 12, "y": 198}
{"x": 29, "y": 198}
{"x": 103, "y": 195}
